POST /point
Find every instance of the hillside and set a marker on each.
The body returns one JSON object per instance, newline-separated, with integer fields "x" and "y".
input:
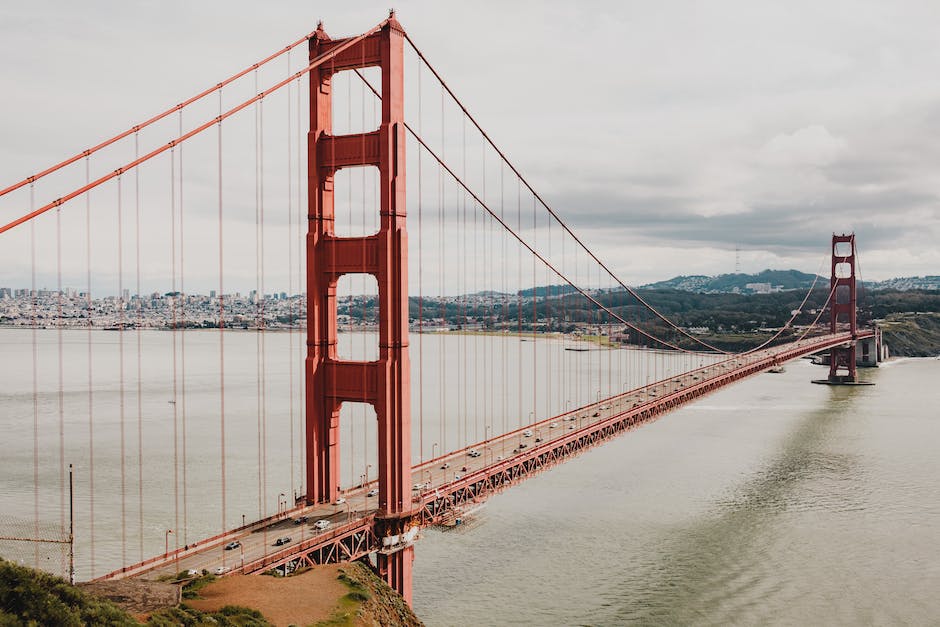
{"x": 765, "y": 281}
{"x": 343, "y": 594}
{"x": 912, "y": 335}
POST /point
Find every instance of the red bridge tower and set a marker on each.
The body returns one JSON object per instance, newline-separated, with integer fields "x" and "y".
{"x": 330, "y": 381}
{"x": 842, "y": 284}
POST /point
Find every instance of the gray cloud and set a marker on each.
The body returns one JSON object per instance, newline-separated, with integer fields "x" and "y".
{"x": 756, "y": 126}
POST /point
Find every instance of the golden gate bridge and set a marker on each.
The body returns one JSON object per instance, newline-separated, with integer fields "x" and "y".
{"x": 322, "y": 146}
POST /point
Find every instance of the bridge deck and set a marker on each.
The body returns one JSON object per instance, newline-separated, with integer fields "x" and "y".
{"x": 446, "y": 484}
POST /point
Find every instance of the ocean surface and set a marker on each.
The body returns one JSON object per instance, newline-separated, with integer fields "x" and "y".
{"x": 774, "y": 501}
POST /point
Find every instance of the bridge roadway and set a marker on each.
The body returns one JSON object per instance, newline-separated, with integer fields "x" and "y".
{"x": 447, "y": 484}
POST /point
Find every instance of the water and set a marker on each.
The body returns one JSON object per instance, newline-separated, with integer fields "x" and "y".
{"x": 771, "y": 502}
{"x": 469, "y": 387}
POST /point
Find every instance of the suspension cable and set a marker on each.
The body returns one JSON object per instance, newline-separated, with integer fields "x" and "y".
{"x": 629, "y": 289}
{"x": 329, "y": 55}
{"x": 138, "y": 127}
{"x": 519, "y": 238}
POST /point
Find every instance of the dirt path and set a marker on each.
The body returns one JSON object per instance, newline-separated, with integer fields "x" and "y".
{"x": 299, "y": 600}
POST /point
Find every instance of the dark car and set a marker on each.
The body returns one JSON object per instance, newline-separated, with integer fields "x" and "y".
{"x": 282, "y": 541}
{"x": 232, "y": 545}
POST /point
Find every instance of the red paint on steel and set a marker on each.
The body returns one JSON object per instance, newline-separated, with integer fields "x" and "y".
{"x": 842, "y": 358}
{"x": 199, "y": 129}
{"x": 137, "y": 127}
{"x": 383, "y": 383}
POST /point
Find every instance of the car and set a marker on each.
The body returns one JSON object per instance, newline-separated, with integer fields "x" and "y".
{"x": 373, "y": 492}
{"x": 221, "y": 570}
{"x": 537, "y": 440}
{"x": 527, "y": 433}
{"x": 463, "y": 469}
{"x": 553, "y": 425}
{"x": 322, "y": 524}
{"x": 339, "y": 501}
{"x": 473, "y": 453}
{"x": 418, "y": 486}
{"x": 457, "y": 476}
{"x": 445, "y": 466}
{"x": 282, "y": 541}
{"x": 232, "y": 545}
{"x": 192, "y": 572}
{"x": 523, "y": 445}
{"x": 499, "y": 458}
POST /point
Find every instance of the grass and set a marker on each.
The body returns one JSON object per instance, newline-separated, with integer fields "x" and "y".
{"x": 348, "y": 610}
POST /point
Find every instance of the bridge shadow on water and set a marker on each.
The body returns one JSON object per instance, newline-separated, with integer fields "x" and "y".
{"x": 717, "y": 570}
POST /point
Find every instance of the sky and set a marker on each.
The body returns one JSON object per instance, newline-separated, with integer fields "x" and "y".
{"x": 673, "y": 137}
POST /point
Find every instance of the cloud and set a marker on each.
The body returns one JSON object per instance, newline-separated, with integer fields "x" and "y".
{"x": 808, "y": 146}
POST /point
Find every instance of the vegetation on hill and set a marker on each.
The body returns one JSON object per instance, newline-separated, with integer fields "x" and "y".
{"x": 912, "y": 334}
{"x": 737, "y": 282}
{"x": 33, "y": 598}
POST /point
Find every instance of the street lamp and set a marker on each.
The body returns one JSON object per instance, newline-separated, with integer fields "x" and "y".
{"x": 279, "y": 497}
{"x": 166, "y": 542}
{"x": 432, "y": 450}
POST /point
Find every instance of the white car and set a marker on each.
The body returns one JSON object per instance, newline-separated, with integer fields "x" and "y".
{"x": 322, "y": 524}
{"x": 373, "y": 492}
{"x": 339, "y": 501}
{"x": 418, "y": 486}
{"x": 527, "y": 433}
{"x": 221, "y": 570}
{"x": 553, "y": 425}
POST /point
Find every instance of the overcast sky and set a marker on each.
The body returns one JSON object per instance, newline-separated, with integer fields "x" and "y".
{"x": 667, "y": 134}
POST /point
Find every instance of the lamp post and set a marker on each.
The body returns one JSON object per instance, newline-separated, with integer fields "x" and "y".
{"x": 433, "y": 446}
{"x": 281, "y": 496}
{"x": 166, "y": 542}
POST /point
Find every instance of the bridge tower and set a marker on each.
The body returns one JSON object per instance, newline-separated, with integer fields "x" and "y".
{"x": 842, "y": 285}
{"x": 384, "y": 383}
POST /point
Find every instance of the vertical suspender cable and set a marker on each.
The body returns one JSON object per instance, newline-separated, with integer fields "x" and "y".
{"x": 183, "y": 297}
{"x": 301, "y": 257}
{"x": 261, "y": 329}
{"x": 61, "y": 373}
{"x": 221, "y": 325}
{"x": 420, "y": 284}
{"x": 140, "y": 320}
{"x": 175, "y": 325}
{"x": 290, "y": 282}
{"x": 35, "y": 362}
{"x": 90, "y": 322}
{"x": 123, "y": 416}
{"x": 441, "y": 367}
{"x": 259, "y": 299}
